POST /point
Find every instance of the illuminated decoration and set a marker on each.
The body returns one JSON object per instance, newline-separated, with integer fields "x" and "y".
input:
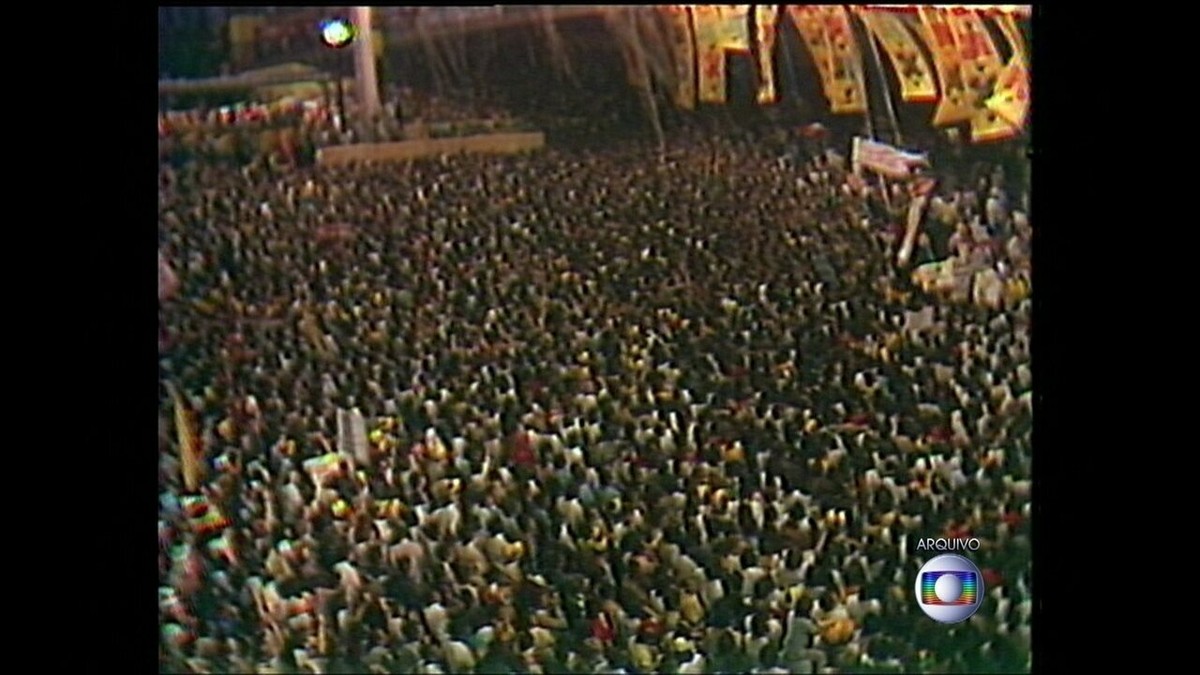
{"x": 1011, "y": 98}
{"x": 766, "y": 18}
{"x": 719, "y": 29}
{"x": 917, "y": 82}
{"x": 337, "y": 33}
{"x": 957, "y": 104}
{"x": 968, "y": 78}
{"x": 683, "y": 53}
{"x": 1001, "y": 10}
{"x": 827, "y": 33}
{"x": 981, "y": 65}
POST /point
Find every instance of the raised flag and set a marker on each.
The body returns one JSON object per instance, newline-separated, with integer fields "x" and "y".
{"x": 885, "y": 159}
{"x": 191, "y": 446}
{"x": 324, "y": 468}
{"x": 917, "y": 81}
{"x": 203, "y": 516}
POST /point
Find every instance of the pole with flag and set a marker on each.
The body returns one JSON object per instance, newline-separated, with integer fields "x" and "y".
{"x": 191, "y": 446}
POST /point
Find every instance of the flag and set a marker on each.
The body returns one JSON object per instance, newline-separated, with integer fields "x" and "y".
{"x": 683, "y": 55}
{"x": 915, "y": 210}
{"x": 203, "y": 516}
{"x": 957, "y": 102}
{"x": 168, "y": 281}
{"x": 352, "y": 438}
{"x": 884, "y": 159}
{"x": 324, "y": 468}
{"x": 766, "y": 19}
{"x": 917, "y": 83}
{"x": 191, "y": 446}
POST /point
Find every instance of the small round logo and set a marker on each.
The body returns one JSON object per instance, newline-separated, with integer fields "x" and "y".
{"x": 949, "y": 588}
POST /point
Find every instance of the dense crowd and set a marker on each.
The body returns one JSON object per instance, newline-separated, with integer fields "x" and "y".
{"x": 290, "y": 132}
{"x": 627, "y": 413}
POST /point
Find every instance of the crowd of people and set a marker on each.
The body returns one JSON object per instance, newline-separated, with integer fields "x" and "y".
{"x": 628, "y": 412}
{"x": 291, "y": 132}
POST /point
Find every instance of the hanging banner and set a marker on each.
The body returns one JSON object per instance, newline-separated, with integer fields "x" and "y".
{"x": 1011, "y": 98}
{"x": 826, "y": 31}
{"x": 981, "y": 65}
{"x": 956, "y": 104}
{"x": 812, "y": 32}
{"x": 683, "y": 55}
{"x": 1012, "y": 33}
{"x": 710, "y": 53}
{"x": 766, "y": 20}
{"x": 917, "y": 83}
{"x": 848, "y": 93}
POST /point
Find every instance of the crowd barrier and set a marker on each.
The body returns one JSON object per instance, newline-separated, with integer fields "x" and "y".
{"x": 430, "y": 147}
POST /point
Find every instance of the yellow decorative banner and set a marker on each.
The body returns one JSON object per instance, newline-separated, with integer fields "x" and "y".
{"x": 826, "y": 31}
{"x": 848, "y": 93}
{"x": 683, "y": 53}
{"x": 981, "y": 65}
{"x": 957, "y": 102}
{"x": 812, "y": 31}
{"x": 1011, "y": 98}
{"x": 766, "y": 18}
{"x": 917, "y": 83}
{"x": 1012, "y": 33}
{"x": 718, "y": 28}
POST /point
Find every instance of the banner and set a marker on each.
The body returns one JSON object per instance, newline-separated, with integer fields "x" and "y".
{"x": 1010, "y": 100}
{"x": 957, "y": 102}
{"x": 827, "y": 34}
{"x": 915, "y": 210}
{"x": 849, "y": 88}
{"x": 812, "y": 32}
{"x": 917, "y": 82}
{"x": 683, "y": 55}
{"x": 1012, "y": 33}
{"x": 203, "y": 516}
{"x": 766, "y": 20}
{"x": 981, "y": 65}
{"x": 324, "y": 468}
{"x": 884, "y": 159}
{"x": 718, "y": 28}
{"x": 352, "y": 438}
